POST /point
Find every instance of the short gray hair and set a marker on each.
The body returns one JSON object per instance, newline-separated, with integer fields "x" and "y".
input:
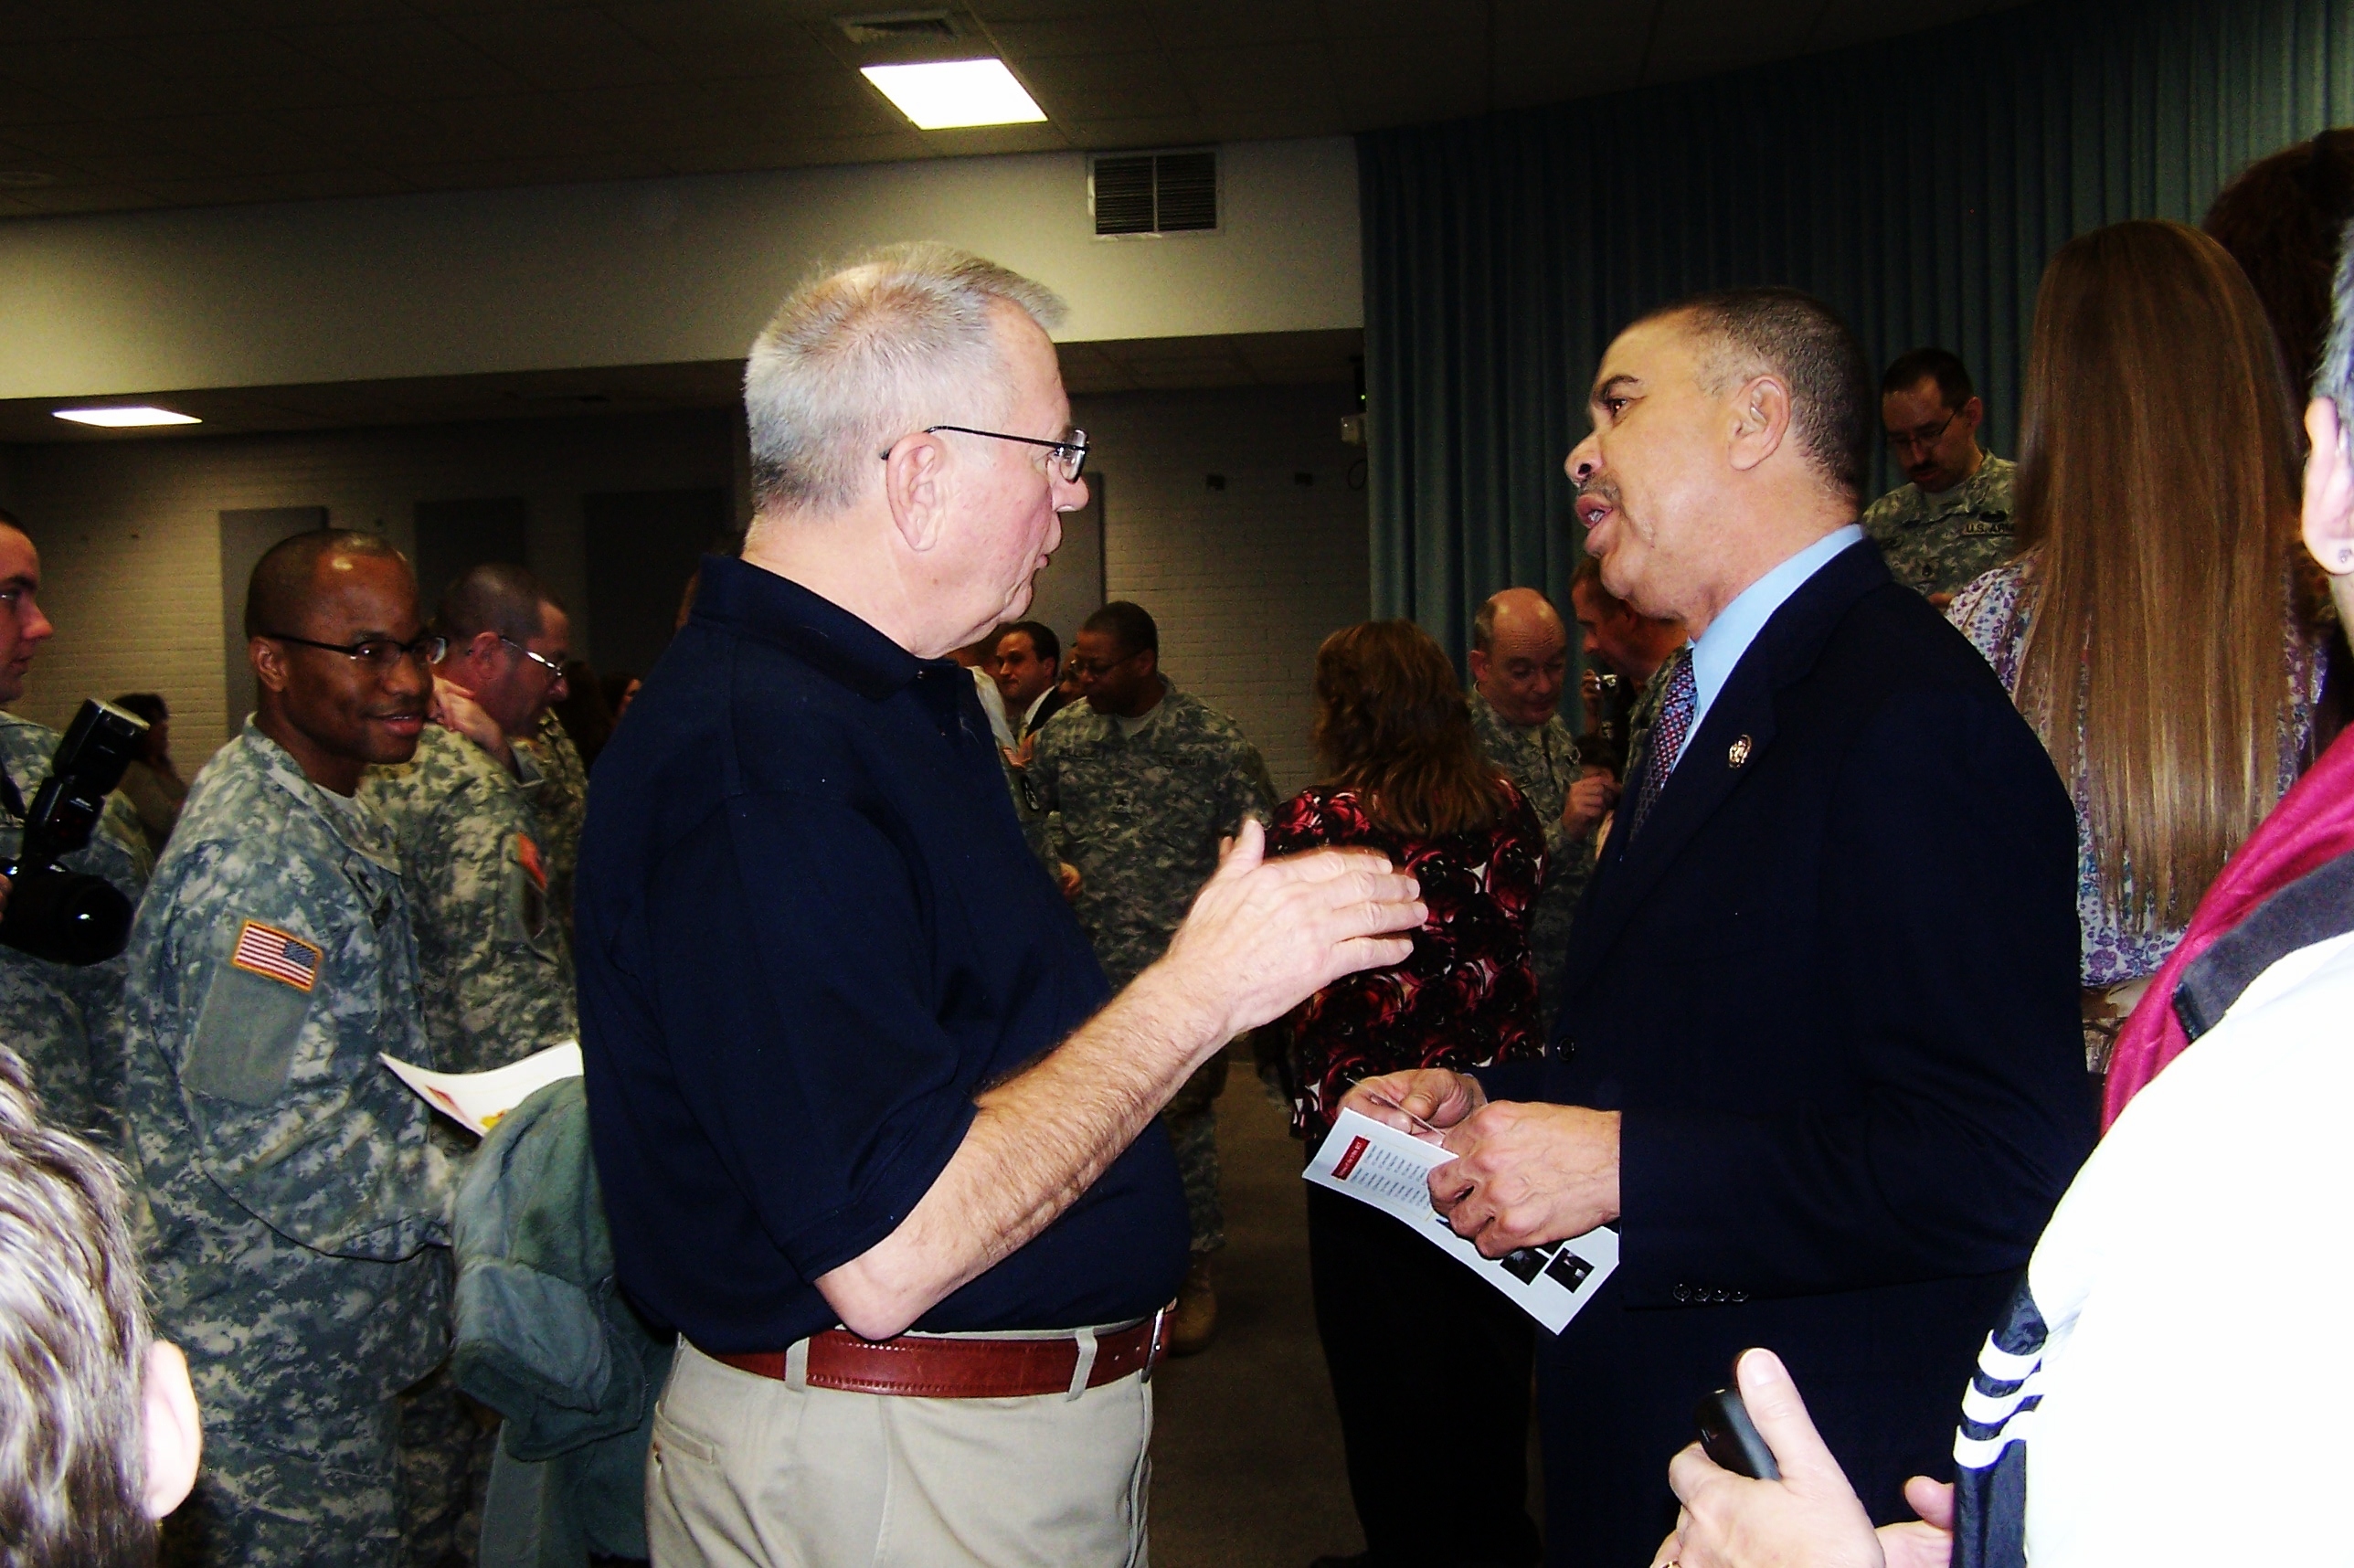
{"x": 861, "y": 355}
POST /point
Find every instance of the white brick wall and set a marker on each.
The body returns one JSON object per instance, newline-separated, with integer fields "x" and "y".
{"x": 130, "y": 531}
{"x": 1244, "y": 582}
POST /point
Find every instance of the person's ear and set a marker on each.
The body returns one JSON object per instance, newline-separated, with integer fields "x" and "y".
{"x": 1761, "y": 417}
{"x": 269, "y": 661}
{"x": 1478, "y": 662}
{"x": 1972, "y": 412}
{"x": 919, "y": 490}
{"x": 2329, "y": 512}
{"x": 170, "y": 1433}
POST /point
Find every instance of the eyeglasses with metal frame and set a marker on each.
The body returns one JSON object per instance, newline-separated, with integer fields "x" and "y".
{"x": 1905, "y": 440}
{"x": 1070, "y": 452}
{"x": 381, "y": 654}
{"x": 554, "y": 671}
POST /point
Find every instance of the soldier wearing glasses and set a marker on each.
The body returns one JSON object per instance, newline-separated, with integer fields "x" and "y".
{"x": 1953, "y": 520}
{"x": 498, "y": 973}
{"x": 297, "y": 1200}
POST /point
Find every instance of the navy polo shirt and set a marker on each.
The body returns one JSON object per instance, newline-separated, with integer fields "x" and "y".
{"x": 809, "y": 933}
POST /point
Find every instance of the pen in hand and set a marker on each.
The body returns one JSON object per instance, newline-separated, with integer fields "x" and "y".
{"x": 1383, "y": 1100}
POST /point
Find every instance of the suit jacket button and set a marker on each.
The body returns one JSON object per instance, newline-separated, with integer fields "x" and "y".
{"x": 1682, "y": 1294}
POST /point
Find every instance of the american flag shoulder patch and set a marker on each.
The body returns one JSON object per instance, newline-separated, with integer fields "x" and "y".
{"x": 277, "y": 954}
{"x": 527, "y": 856}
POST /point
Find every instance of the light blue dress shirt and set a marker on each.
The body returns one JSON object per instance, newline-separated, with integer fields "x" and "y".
{"x": 1715, "y": 652}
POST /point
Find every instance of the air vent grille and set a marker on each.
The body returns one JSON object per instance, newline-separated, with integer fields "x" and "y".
{"x": 1156, "y": 193}
{"x": 898, "y": 26}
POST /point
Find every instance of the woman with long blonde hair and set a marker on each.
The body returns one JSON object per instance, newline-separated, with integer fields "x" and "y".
{"x": 2156, "y": 626}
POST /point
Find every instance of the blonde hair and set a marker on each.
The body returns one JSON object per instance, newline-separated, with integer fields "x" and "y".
{"x": 2157, "y": 481}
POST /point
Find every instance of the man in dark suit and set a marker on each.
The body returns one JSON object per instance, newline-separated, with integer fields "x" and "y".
{"x": 1817, "y": 1053}
{"x": 1029, "y": 665}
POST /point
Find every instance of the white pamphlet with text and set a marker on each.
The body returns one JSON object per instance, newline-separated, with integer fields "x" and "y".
{"x": 475, "y": 1101}
{"x": 1391, "y": 1171}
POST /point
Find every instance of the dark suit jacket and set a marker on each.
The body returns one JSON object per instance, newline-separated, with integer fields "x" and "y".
{"x": 1052, "y": 705}
{"x": 1832, "y": 985}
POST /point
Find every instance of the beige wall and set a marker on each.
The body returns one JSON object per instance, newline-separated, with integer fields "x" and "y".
{"x": 1244, "y": 582}
{"x": 130, "y": 531}
{"x": 651, "y": 271}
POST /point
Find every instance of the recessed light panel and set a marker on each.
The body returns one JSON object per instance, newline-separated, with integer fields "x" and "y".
{"x": 126, "y": 419}
{"x": 947, "y": 95}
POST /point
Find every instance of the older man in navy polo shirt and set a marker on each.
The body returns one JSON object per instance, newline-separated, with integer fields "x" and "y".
{"x": 873, "y": 1136}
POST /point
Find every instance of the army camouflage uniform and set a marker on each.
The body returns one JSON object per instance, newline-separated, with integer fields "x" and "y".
{"x": 65, "y": 1021}
{"x": 296, "y": 1222}
{"x": 562, "y": 807}
{"x": 1140, "y": 816}
{"x": 1543, "y": 761}
{"x": 496, "y": 985}
{"x": 1936, "y": 544}
{"x": 497, "y": 972}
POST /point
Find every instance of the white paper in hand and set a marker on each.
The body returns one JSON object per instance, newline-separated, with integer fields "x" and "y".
{"x": 1391, "y": 1171}
{"x": 475, "y": 1101}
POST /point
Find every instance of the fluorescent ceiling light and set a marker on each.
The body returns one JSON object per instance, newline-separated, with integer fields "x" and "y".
{"x": 126, "y": 419}
{"x": 945, "y": 95}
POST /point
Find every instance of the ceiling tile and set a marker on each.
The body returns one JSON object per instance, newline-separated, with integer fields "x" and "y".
{"x": 565, "y": 50}
{"x": 569, "y": 169}
{"x": 297, "y": 185}
{"x": 721, "y": 37}
{"x": 1286, "y": 78}
{"x": 232, "y": 55}
{"x": 314, "y": 13}
{"x": 68, "y": 66}
{"x": 22, "y": 106}
{"x": 414, "y": 58}
{"x": 1382, "y": 85}
{"x": 804, "y": 153}
{"x": 1113, "y": 32}
{"x": 257, "y": 145}
{"x": 1123, "y": 87}
{"x": 1696, "y": 37}
{"x": 707, "y": 113}
{"x": 1240, "y": 24}
{"x": 143, "y": 19}
{"x": 1346, "y": 18}
{"x": 64, "y": 199}
{"x": 985, "y": 140}
{"x": 1845, "y": 22}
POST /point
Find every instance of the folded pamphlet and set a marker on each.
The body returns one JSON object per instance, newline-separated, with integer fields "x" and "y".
{"x": 475, "y": 1101}
{"x": 1391, "y": 1171}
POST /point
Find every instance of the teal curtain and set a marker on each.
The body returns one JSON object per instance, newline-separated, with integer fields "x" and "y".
{"x": 1918, "y": 185}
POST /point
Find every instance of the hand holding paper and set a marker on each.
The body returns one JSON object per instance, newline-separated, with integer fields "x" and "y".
{"x": 1529, "y": 1173}
{"x": 1392, "y": 1171}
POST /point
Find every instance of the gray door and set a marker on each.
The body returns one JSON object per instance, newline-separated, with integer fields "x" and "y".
{"x": 245, "y": 538}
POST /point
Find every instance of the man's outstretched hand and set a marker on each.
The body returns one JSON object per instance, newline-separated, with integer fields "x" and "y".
{"x": 1265, "y": 935}
{"x": 1808, "y": 1519}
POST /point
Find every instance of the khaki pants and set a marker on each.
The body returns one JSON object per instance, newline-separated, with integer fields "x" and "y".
{"x": 749, "y": 1470}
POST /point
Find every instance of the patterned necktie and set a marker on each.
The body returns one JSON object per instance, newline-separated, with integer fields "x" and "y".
{"x": 1668, "y": 732}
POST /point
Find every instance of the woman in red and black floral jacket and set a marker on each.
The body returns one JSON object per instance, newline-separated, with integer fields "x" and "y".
{"x": 1419, "y": 1348}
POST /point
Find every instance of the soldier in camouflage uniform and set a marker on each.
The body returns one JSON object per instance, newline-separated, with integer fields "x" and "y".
{"x": 497, "y": 971}
{"x": 1520, "y": 660}
{"x": 1140, "y": 782}
{"x": 562, "y": 808}
{"x": 297, "y": 1203}
{"x": 1954, "y": 520}
{"x": 65, "y": 1021}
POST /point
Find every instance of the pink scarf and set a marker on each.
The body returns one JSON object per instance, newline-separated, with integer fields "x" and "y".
{"x": 2313, "y": 823}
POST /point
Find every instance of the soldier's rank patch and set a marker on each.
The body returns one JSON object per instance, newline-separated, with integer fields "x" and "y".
{"x": 528, "y": 857}
{"x": 276, "y": 955}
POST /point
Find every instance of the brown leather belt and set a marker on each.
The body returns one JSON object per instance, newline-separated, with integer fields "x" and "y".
{"x": 926, "y": 1367}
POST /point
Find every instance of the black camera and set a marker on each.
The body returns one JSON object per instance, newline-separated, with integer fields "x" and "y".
{"x": 70, "y": 916}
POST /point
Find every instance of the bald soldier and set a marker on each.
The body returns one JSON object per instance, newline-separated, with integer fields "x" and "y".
{"x": 299, "y": 1203}
{"x": 1520, "y": 660}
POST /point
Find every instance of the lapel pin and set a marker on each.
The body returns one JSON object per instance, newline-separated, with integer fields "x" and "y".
{"x": 1738, "y": 753}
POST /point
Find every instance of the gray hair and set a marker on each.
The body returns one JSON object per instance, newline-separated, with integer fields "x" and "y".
{"x": 73, "y": 1347}
{"x": 2334, "y": 377}
{"x": 861, "y": 355}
